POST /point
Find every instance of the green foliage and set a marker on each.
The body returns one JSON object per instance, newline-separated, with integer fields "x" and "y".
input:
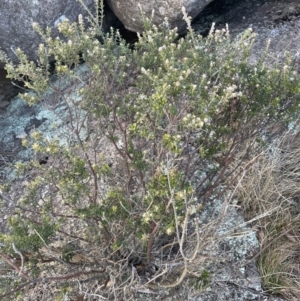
{"x": 203, "y": 281}
{"x": 171, "y": 115}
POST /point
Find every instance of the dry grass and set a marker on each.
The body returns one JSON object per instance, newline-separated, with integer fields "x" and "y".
{"x": 272, "y": 185}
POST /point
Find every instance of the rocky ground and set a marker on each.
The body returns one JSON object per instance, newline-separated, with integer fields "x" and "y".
{"x": 278, "y": 20}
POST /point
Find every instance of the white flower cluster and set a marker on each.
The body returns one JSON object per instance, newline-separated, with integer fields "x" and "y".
{"x": 144, "y": 71}
{"x": 170, "y": 230}
{"x": 230, "y": 92}
{"x": 147, "y": 217}
{"x": 194, "y": 122}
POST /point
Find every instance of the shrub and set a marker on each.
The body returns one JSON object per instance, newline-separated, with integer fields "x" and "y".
{"x": 150, "y": 136}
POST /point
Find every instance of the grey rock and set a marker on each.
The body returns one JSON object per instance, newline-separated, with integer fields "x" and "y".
{"x": 3, "y": 103}
{"x": 17, "y": 16}
{"x": 129, "y": 12}
{"x": 19, "y": 119}
{"x": 233, "y": 276}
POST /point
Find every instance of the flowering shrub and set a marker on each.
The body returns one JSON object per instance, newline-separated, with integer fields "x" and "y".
{"x": 152, "y": 135}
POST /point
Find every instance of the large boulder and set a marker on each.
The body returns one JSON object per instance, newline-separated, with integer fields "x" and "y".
{"x": 129, "y": 12}
{"x": 17, "y": 16}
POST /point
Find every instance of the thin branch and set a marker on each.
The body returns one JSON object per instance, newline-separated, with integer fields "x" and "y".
{"x": 21, "y": 272}
{"x": 50, "y": 279}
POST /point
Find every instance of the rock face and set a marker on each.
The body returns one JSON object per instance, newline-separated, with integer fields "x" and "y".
{"x": 129, "y": 11}
{"x": 17, "y": 16}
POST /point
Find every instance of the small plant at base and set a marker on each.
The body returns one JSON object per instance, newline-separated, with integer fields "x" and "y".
{"x": 152, "y": 134}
